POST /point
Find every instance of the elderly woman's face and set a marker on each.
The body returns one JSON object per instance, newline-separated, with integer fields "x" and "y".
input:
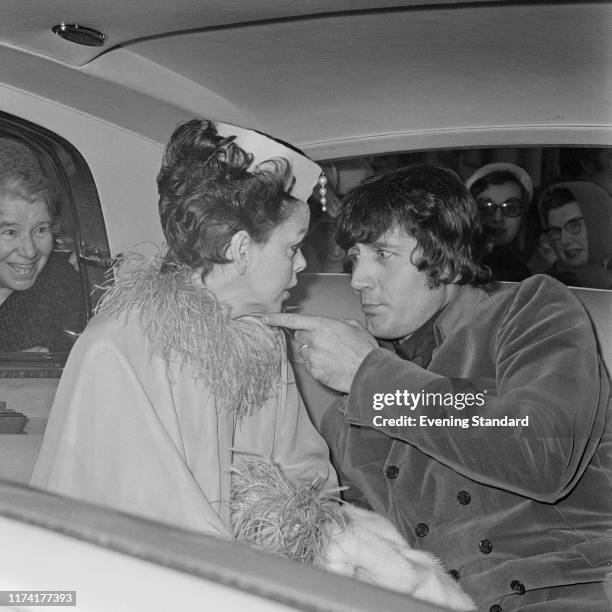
{"x": 26, "y": 241}
{"x": 505, "y": 229}
{"x": 571, "y": 248}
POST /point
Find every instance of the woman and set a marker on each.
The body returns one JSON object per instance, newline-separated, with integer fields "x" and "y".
{"x": 503, "y": 193}
{"x": 41, "y": 300}
{"x": 577, "y": 239}
{"x": 174, "y": 387}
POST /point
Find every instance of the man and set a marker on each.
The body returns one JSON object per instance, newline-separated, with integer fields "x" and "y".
{"x": 481, "y": 433}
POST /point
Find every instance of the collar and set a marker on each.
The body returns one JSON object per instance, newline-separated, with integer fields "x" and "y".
{"x": 464, "y": 302}
{"x": 238, "y": 359}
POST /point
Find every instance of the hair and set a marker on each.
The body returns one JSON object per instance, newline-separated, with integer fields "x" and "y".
{"x": 498, "y": 177}
{"x": 431, "y": 204}
{"x": 31, "y": 187}
{"x": 207, "y": 194}
{"x": 555, "y": 198}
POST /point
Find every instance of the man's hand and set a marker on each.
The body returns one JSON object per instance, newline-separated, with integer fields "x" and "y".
{"x": 332, "y": 349}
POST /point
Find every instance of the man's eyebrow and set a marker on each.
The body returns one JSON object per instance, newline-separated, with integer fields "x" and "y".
{"x": 383, "y": 244}
{"x": 8, "y": 223}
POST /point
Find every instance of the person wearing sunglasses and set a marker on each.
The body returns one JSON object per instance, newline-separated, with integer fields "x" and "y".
{"x": 503, "y": 193}
{"x": 570, "y": 219}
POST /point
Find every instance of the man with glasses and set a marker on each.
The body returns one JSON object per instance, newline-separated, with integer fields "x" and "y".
{"x": 503, "y": 193}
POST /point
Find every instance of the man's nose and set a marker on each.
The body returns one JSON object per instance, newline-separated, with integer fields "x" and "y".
{"x": 361, "y": 277}
{"x": 27, "y": 247}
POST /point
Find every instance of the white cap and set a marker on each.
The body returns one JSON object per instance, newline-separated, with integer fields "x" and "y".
{"x": 305, "y": 172}
{"x": 521, "y": 175}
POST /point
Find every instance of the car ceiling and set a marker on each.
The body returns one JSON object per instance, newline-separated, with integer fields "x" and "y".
{"x": 337, "y": 76}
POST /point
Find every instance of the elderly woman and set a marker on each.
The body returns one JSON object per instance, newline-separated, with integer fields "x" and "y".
{"x": 174, "y": 377}
{"x": 41, "y": 299}
{"x": 503, "y": 192}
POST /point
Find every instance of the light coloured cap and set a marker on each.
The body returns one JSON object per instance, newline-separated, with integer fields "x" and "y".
{"x": 521, "y": 175}
{"x": 305, "y": 172}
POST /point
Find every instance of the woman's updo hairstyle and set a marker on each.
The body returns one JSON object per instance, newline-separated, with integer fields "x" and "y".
{"x": 207, "y": 194}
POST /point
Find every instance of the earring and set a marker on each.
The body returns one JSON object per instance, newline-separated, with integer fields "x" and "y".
{"x": 323, "y": 192}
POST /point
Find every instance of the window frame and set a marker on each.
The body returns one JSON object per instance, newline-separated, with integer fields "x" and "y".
{"x": 87, "y": 227}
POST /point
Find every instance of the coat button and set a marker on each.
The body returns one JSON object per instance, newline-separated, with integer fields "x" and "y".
{"x": 464, "y": 498}
{"x": 422, "y": 529}
{"x": 392, "y": 472}
{"x": 517, "y": 586}
{"x": 496, "y": 608}
{"x": 455, "y": 574}
{"x": 485, "y": 546}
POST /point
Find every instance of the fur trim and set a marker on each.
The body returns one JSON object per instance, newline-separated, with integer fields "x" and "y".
{"x": 238, "y": 358}
{"x": 272, "y": 513}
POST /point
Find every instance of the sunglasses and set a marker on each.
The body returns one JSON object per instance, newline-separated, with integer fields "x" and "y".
{"x": 573, "y": 226}
{"x": 513, "y": 207}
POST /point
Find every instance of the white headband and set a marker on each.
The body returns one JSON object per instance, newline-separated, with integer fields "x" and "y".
{"x": 521, "y": 176}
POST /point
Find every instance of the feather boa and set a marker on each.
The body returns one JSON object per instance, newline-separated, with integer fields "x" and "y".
{"x": 306, "y": 522}
{"x": 272, "y": 513}
{"x": 239, "y": 358}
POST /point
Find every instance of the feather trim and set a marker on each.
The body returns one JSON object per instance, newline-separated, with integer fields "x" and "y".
{"x": 272, "y": 513}
{"x": 238, "y": 358}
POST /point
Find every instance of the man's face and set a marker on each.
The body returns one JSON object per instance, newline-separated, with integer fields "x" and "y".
{"x": 395, "y": 298}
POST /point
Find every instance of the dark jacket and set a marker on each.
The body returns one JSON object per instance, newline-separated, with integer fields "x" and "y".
{"x": 508, "y": 508}
{"x": 40, "y": 315}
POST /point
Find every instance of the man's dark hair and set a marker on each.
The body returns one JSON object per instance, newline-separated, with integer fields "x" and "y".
{"x": 430, "y": 203}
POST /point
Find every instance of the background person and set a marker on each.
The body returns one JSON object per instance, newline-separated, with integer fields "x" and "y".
{"x": 173, "y": 375}
{"x": 503, "y": 193}
{"x": 519, "y": 513}
{"x": 577, "y": 237}
{"x": 41, "y": 299}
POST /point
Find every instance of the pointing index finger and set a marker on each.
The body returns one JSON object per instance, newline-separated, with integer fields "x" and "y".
{"x": 292, "y": 321}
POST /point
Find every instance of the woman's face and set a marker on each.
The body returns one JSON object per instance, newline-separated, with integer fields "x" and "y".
{"x": 26, "y": 241}
{"x": 505, "y": 229}
{"x": 273, "y": 266}
{"x": 571, "y": 249}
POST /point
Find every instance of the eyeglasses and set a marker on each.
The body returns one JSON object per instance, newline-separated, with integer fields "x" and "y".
{"x": 573, "y": 226}
{"x": 513, "y": 207}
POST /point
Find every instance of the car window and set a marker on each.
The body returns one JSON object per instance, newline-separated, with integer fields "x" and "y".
{"x": 49, "y": 267}
{"x": 578, "y": 254}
